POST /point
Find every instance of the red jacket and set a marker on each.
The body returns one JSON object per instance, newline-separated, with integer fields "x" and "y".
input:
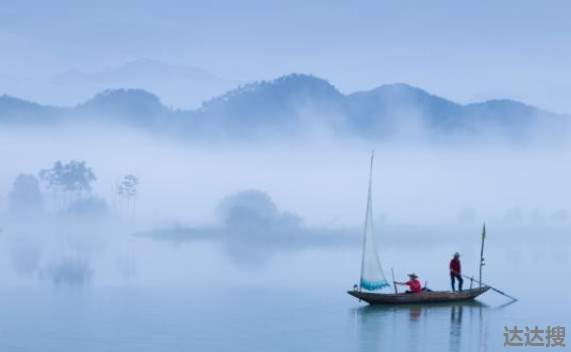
{"x": 455, "y": 266}
{"x": 414, "y": 285}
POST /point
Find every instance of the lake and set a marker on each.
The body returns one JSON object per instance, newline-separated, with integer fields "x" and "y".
{"x": 302, "y": 313}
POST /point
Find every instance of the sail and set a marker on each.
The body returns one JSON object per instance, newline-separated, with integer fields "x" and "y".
{"x": 372, "y": 276}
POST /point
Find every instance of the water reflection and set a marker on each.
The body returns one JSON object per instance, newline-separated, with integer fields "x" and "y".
{"x": 455, "y": 327}
{"x": 452, "y": 327}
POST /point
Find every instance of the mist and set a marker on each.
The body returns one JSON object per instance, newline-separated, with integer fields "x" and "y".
{"x": 239, "y": 212}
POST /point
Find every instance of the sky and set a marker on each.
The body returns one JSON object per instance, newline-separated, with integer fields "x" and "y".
{"x": 465, "y": 51}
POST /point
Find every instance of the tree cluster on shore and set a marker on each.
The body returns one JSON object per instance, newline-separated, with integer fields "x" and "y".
{"x": 67, "y": 187}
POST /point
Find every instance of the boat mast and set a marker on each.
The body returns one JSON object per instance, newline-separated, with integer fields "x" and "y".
{"x": 367, "y": 218}
{"x": 482, "y": 253}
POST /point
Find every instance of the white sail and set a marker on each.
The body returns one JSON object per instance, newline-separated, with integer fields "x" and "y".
{"x": 372, "y": 276}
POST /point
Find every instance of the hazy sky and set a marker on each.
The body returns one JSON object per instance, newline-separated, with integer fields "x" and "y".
{"x": 462, "y": 50}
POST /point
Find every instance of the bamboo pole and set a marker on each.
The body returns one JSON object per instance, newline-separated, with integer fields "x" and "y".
{"x": 493, "y": 288}
{"x": 482, "y": 254}
{"x": 394, "y": 282}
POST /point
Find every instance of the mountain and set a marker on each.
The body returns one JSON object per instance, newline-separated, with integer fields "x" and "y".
{"x": 301, "y": 105}
{"x": 388, "y": 108}
{"x": 15, "y": 110}
{"x": 294, "y": 104}
{"x": 284, "y": 104}
{"x": 133, "y": 106}
{"x": 183, "y": 86}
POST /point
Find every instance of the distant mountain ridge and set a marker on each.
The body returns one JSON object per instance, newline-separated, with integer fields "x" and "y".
{"x": 132, "y": 69}
{"x": 15, "y": 110}
{"x": 180, "y": 85}
{"x": 298, "y": 105}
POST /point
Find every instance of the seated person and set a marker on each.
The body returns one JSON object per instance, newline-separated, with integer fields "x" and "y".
{"x": 413, "y": 284}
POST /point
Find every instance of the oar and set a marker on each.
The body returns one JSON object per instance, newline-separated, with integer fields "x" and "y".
{"x": 493, "y": 288}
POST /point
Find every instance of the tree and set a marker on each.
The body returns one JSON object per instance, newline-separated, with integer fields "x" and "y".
{"x": 128, "y": 186}
{"x": 127, "y": 190}
{"x": 73, "y": 178}
{"x": 25, "y": 196}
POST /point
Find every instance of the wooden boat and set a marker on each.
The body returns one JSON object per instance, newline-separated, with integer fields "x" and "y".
{"x": 372, "y": 276}
{"x": 418, "y": 298}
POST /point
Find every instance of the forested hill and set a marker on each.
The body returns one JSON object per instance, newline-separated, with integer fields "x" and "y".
{"x": 302, "y": 105}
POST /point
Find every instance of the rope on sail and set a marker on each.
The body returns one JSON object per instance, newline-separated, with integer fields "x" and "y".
{"x": 372, "y": 276}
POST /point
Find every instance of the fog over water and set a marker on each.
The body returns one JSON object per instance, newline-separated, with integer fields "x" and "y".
{"x": 234, "y": 239}
{"x": 296, "y": 208}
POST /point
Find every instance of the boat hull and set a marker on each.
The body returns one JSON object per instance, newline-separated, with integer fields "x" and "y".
{"x": 418, "y": 298}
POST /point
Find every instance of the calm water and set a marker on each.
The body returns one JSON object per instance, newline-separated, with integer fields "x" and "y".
{"x": 253, "y": 319}
{"x": 294, "y": 301}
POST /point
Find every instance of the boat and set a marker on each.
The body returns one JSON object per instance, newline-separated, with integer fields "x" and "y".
{"x": 422, "y": 297}
{"x": 373, "y": 278}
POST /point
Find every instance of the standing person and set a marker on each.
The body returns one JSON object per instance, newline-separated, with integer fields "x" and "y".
{"x": 456, "y": 272}
{"x": 413, "y": 284}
